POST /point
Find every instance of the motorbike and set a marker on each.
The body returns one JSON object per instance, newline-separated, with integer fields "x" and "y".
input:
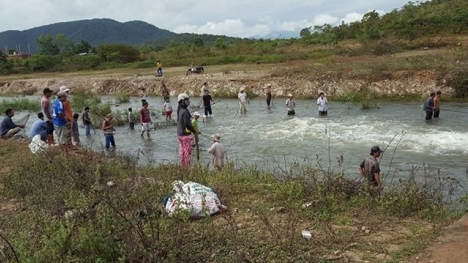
{"x": 197, "y": 70}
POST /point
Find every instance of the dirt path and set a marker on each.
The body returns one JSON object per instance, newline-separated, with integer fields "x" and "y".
{"x": 451, "y": 246}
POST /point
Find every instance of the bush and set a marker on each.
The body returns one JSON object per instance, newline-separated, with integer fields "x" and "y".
{"x": 43, "y": 62}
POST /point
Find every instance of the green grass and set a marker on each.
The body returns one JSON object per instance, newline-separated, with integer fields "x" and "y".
{"x": 20, "y": 105}
{"x": 74, "y": 215}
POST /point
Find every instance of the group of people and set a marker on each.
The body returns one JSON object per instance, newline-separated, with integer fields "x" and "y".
{"x": 187, "y": 129}
{"x": 322, "y": 102}
{"x": 432, "y": 105}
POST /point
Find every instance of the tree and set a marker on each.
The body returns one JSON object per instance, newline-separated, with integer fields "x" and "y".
{"x": 219, "y": 44}
{"x": 48, "y": 45}
{"x": 83, "y": 47}
{"x": 118, "y": 53}
{"x": 198, "y": 42}
{"x": 305, "y": 33}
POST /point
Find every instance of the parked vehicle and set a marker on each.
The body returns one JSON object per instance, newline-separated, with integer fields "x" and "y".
{"x": 197, "y": 70}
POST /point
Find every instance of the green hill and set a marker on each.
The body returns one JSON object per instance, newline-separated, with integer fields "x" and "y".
{"x": 97, "y": 32}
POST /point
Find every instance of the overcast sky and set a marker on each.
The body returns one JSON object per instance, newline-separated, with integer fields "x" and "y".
{"x": 238, "y": 18}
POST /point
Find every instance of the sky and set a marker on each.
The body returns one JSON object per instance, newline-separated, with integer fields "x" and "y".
{"x": 236, "y": 18}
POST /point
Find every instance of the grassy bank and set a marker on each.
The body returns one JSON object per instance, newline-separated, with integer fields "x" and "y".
{"x": 57, "y": 209}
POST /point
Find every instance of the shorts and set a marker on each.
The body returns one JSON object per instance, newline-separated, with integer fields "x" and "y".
{"x": 168, "y": 113}
{"x": 322, "y": 112}
{"x": 291, "y": 112}
{"x": 50, "y": 128}
{"x": 61, "y": 132}
{"x": 145, "y": 126}
{"x": 268, "y": 102}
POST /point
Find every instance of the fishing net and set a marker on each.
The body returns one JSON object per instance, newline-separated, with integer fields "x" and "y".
{"x": 23, "y": 121}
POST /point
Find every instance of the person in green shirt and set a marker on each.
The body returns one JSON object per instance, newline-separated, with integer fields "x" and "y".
{"x": 196, "y": 115}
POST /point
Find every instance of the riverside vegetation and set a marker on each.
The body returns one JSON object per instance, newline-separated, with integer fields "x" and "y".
{"x": 95, "y": 208}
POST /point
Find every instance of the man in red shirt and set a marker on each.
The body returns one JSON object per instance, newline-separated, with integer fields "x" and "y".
{"x": 145, "y": 119}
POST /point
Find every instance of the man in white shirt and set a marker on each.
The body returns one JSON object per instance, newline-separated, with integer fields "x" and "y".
{"x": 322, "y": 103}
{"x": 242, "y": 101}
{"x": 290, "y": 105}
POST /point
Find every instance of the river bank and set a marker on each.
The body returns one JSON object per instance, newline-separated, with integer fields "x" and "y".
{"x": 75, "y": 214}
{"x": 226, "y": 81}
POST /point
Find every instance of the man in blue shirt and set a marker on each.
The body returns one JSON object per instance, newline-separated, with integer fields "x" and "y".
{"x": 8, "y": 128}
{"x": 39, "y": 127}
{"x": 60, "y": 120}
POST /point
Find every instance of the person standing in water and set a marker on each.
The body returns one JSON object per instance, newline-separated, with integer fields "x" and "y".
{"x": 437, "y": 104}
{"x": 218, "y": 152}
{"x": 322, "y": 103}
{"x": 145, "y": 120}
{"x": 131, "y": 119}
{"x": 242, "y": 96}
{"x": 369, "y": 168}
{"x": 268, "y": 96}
{"x": 290, "y": 105}
{"x": 430, "y": 106}
{"x": 108, "y": 129}
{"x": 207, "y": 102}
{"x": 184, "y": 129}
{"x": 143, "y": 95}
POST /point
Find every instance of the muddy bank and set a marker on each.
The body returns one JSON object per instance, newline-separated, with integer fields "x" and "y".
{"x": 227, "y": 85}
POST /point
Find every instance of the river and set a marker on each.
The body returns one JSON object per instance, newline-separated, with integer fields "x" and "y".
{"x": 273, "y": 141}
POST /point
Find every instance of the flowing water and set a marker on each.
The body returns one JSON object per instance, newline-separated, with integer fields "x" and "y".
{"x": 271, "y": 140}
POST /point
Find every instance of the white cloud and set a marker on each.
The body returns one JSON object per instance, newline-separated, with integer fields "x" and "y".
{"x": 351, "y": 17}
{"x": 241, "y": 18}
{"x": 228, "y": 27}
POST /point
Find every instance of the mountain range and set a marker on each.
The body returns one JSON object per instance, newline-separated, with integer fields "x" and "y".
{"x": 98, "y": 32}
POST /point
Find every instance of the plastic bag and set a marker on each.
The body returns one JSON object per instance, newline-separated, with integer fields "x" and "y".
{"x": 195, "y": 198}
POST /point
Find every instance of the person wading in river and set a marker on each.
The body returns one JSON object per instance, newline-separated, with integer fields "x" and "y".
{"x": 184, "y": 129}
{"x": 437, "y": 104}
{"x": 430, "y": 106}
{"x": 290, "y": 105}
{"x": 369, "y": 168}
{"x": 322, "y": 103}
{"x": 268, "y": 96}
{"x": 218, "y": 152}
{"x": 145, "y": 120}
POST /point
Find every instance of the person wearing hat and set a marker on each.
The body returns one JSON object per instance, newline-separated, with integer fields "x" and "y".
{"x": 268, "y": 96}
{"x": 218, "y": 152}
{"x": 184, "y": 129}
{"x": 47, "y": 110}
{"x": 290, "y": 105}
{"x": 369, "y": 168}
{"x": 108, "y": 129}
{"x": 60, "y": 121}
{"x": 242, "y": 101}
{"x": 68, "y": 114}
{"x": 145, "y": 119}
{"x": 322, "y": 103}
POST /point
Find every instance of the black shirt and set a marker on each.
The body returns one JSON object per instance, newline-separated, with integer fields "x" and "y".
{"x": 207, "y": 100}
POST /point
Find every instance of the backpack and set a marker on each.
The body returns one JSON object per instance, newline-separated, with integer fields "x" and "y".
{"x": 424, "y": 105}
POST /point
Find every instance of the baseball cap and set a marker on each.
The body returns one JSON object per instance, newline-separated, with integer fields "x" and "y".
{"x": 64, "y": 89}
{"x": 196, "y": 113}
{"x": 375, "y": 149}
